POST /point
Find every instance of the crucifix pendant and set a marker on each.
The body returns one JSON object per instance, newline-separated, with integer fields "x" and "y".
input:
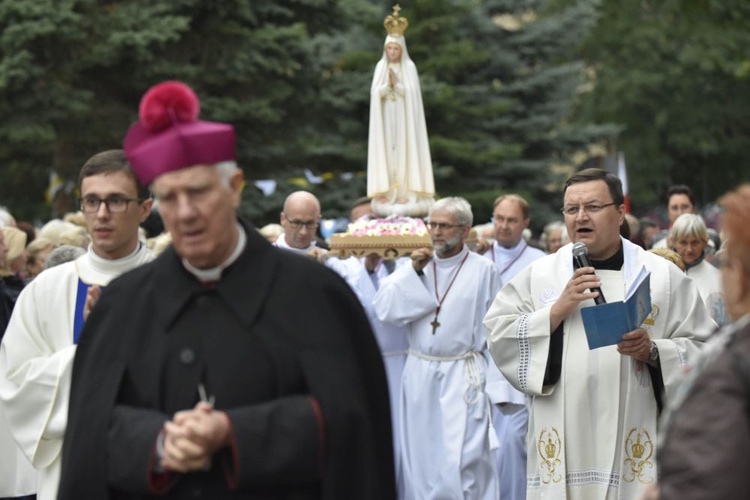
{"x": 435, "y": 323}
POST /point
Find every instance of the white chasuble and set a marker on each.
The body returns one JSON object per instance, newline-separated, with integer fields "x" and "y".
{"x": 36, "y": 357}
{"x": 592, "y": 433}
{"x": 445, "y": 419}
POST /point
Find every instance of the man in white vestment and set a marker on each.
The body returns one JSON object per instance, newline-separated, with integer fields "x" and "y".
{"x": 399, "y": 165}
{"x": 592, "y": 417}
{"x": 511, "y": 253}
{"x": 364, "y": 274}
{"x": 445, "y": 422}
{"x": 689, "y": 238}
{"x": 36, "y": 355}
{"x": 300, "y": 219}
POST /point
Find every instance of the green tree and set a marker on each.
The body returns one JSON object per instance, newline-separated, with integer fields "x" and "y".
{"x": 497, "y": 99}
{"x": 72, "y": 73}
{"x": 676, "y": 75}
{"x": 293, "y": 76}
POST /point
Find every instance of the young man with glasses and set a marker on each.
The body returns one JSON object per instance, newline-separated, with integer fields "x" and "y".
{"x": 300, "y": 219}
{"x": 36, "y": 356}
{"x": 593, "y": 413}
{"x": 440, "y": 300}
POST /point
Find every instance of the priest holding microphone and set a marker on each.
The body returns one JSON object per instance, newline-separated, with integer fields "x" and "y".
{"x": 593, "y": 412}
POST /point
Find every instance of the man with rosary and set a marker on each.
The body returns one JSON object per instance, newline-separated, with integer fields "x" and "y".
{"x": 511, "y": 254}
{"x": 447, "y": 440}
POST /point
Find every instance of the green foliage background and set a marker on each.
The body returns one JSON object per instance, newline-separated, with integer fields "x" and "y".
{"x": 509, "y": 107}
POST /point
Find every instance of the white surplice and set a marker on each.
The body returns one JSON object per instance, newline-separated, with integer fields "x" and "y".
{"x": 510, "y": 416}
{"x": 36, "y": 358}
{"x": 592, "y": 434}
{"x": 708, "y": 280}
{"x": 391, "y": 339}
{"x": 511, "y": 261}
{"x": 281, "y": 243}
{"x": 445, "y": 419}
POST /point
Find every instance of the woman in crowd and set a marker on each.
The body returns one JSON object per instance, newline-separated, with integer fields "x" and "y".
{"x": 689, "y": 238}
{"x": 705, "y": 433}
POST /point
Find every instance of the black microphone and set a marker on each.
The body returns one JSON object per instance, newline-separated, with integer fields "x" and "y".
{"x": 581, "y": 259}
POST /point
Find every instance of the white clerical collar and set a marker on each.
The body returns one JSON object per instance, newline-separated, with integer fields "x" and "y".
{"x": 510, "y": 252}
{"x": 214, "y": 274}
{"x": 97, "y": 270}
{"x": 453, "y": 260}
{"x": 104, "y": 263}
{"x": 281, "y": 243}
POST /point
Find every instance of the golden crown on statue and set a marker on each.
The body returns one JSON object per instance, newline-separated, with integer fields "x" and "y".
{"x": 394, "y": 24}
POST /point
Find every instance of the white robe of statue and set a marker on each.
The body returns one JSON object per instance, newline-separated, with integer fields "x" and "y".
{"x": 592, "y": 434}
{"x": 399, "y": 165}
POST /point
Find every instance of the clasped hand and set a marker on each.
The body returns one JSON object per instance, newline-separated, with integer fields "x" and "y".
{"x": 392, "y": 78}
{"x": 192, "y": 437}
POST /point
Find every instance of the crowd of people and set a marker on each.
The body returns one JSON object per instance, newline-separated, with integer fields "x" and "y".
{"x": 214, "y": 360}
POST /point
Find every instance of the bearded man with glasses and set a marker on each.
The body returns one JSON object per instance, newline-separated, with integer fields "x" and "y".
{"x": 593, "y": 413}
{"x": 36, "y": 356}
{"x": 447, "y": 439}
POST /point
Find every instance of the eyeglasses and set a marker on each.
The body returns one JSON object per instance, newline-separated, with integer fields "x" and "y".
{"x": 442, "y": 225}
{"x": 114, "y": 204}
{"x": 297, "y": 224}
{"x": 589, "y": 208}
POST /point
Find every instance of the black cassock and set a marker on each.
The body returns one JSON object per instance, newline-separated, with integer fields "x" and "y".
{"x": 283, "y": 346}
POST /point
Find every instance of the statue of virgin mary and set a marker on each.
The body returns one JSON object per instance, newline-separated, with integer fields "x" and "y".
{"x": 399, "y": 166}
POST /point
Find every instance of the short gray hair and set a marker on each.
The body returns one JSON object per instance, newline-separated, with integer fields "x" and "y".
{"x": 456, "y": 206}
{"x": 226, "y": 170}
{"x": 62, "y": 254}
{"x": 687, "y": 225}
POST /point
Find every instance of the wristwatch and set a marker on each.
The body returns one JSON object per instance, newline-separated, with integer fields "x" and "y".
{"x": 653, "y": 354}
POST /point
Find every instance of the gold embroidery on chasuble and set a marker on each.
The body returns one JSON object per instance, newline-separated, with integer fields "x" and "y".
{"x": 639, "y": 448}
{"x": 549, "y": 446}
{"x": 651, "y": 318}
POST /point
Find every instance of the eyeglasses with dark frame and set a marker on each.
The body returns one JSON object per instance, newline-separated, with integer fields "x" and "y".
{"x": 589, "y": 208}
{"x": 114, "y": 204}
{"x": 297, "y": 224}
{"x": 442, "y": 225}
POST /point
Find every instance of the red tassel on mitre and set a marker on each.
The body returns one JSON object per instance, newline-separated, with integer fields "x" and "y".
{"x": 170, "y": 137}
{"x": 167, "y": 103}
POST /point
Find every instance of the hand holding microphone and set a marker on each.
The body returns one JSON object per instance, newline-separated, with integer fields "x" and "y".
{"x": 575, "y": 291}
{"x": 581, "y": 259}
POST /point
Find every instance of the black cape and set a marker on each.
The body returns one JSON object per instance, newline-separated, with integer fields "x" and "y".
{"x": 282, "y": 344}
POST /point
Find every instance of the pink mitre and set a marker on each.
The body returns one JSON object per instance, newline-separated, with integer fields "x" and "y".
{"x": 169, "y": 136}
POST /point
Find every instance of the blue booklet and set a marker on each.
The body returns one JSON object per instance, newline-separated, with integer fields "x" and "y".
{"x": 605, "y": 324}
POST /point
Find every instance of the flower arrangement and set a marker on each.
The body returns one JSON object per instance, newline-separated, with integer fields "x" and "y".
{"x": 394, "y": 225}
{"x": 391, "y": 237}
